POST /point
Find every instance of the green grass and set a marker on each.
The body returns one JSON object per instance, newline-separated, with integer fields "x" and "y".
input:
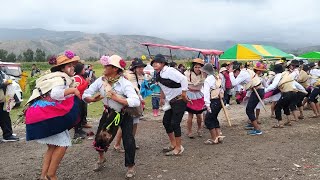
{"x": 94, "y": 109}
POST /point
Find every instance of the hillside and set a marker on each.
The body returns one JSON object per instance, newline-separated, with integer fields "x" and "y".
{"x": 84, "y": 44}
{"x": 94, "y": 45}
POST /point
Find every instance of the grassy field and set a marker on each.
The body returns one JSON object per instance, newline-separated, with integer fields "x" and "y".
{"x": 94, "y": 109}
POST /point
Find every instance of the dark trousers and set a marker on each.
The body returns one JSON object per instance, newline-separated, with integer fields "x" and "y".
{"x": 83, "y": 115}
{"x": 314, "y": 93}
{"x": 172, "y": 117}
{"x": 299, "y": 98}
{"x": 211, "y": 120}
{"x": 128, "y": 140}
{"x": 252, "y": 103}
{"x": 286, "y": 102}
{"x": 5, "y": 122}
{"x": 227, "y": 96}
{"x": 155, "y": 102}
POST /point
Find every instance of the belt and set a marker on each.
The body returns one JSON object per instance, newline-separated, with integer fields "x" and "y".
{"x": 175, "y": 99}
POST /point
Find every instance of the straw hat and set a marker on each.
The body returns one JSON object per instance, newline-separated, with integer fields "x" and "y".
{"x": 223, "y": 69}
{"x": 208, "y": 69}
{"x": 66, "y": 58}
{"x": 198, "y": 61}
{"x": 113, "y": 60}
{"x": 260, "y": 66}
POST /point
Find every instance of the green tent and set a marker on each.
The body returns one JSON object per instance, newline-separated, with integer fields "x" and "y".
{"x": 311, "y": 55}
{"x": 250, "y": 52}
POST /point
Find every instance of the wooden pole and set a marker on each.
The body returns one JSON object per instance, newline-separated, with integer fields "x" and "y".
{"x": 255, "y": 91}
{"x": 225, "y": 110}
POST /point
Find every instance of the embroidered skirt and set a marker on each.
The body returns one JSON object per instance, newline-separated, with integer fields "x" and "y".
{"x": 197, "y": 105}
{"x": 48, "y": 118}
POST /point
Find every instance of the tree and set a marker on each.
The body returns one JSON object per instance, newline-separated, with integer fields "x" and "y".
{"x": 11, "y": 57}
{"x": 40, "y": 55}
{"x": 28, "y": 55}
{"x": 19, "y": 58}
{"x": 3, "y": 54}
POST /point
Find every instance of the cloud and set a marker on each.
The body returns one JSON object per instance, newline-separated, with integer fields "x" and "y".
{"x": 285, "y": 20}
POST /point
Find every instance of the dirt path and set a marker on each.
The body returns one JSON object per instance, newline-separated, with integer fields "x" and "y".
{"x": 288, "y": 153}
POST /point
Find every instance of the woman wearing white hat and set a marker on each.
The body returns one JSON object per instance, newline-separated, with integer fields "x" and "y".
{"x": 117, "y": 95}
{"x": 53, "y": 109}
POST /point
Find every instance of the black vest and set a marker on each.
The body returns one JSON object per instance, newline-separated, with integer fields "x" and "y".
{"x": 167, "y": 82}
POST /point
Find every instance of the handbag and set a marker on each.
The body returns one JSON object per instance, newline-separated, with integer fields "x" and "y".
{"x": 134, "y": 112}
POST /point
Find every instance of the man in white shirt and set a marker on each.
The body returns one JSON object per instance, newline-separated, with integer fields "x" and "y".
{"x": 174, "y": 86}
{"x": 249, "y": 80}
{"x": 315, "y": 79}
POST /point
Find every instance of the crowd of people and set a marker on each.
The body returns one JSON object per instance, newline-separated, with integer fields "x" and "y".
{"x": 59, "y": 101}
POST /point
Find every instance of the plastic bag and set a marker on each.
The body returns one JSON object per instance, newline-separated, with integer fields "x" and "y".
{"x": 9, "y": 98}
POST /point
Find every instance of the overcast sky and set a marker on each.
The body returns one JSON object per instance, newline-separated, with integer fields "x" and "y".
{"x": 260, "y": 20}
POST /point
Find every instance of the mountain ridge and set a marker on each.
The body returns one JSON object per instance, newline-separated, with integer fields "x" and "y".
{"x": 94, "y": 45}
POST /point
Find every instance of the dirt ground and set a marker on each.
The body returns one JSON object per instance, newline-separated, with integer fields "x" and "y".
{"x": 288, "y": 153}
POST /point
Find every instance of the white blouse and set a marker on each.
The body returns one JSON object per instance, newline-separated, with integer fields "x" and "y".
{"x": 176, "y": 76}
{"x": 123, "y": 87}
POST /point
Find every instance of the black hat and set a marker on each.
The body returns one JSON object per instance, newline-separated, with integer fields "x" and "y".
{"x": 283, "y": 58}
{"x": 306, "y": 67}
{"x": 278, "y": 68}
{"x": 137, "y": 62}
{"x": 295, "y": 63}
{"x": 159, "y": 58}
{"x": 208, "y": 68}
{"x": 311, "y": 65}
{"x": 236, "y": 65}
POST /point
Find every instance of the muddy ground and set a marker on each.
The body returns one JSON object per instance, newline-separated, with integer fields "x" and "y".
{"x": 288, "y": 153}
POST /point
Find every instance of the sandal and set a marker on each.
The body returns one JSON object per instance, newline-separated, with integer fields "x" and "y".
{"x": 118, "y": 150}
{"x": 301, "y": 117}
{"x": 172, "y": 153}
{"x": 220, "y": 139}
{"x": 130, "y": 174}
{"x": 167, "y": 149}
{"x": 191, "y": 136}
{"x": 277, "y": 126}
{"x": 287, "y": 124}
{"x": 211, "y": 142}
{"x": 199, "y": 133}
{"x": 99, "y": 165}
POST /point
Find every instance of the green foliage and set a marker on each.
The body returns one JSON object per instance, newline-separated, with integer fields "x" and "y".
{"x": 31, "y": 83}
{"x": 11, "y": 57}
{"x": 43, "y": 66}
{"x": 19, "y": 58}
{"x": 92, "y": 59}
{"x": 40, "y": 55}
{"x": 3, "y": 54}
{"x": 28, "y": 55}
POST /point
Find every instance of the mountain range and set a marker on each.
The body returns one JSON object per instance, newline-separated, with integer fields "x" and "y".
{"x": 94, "y": 45}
